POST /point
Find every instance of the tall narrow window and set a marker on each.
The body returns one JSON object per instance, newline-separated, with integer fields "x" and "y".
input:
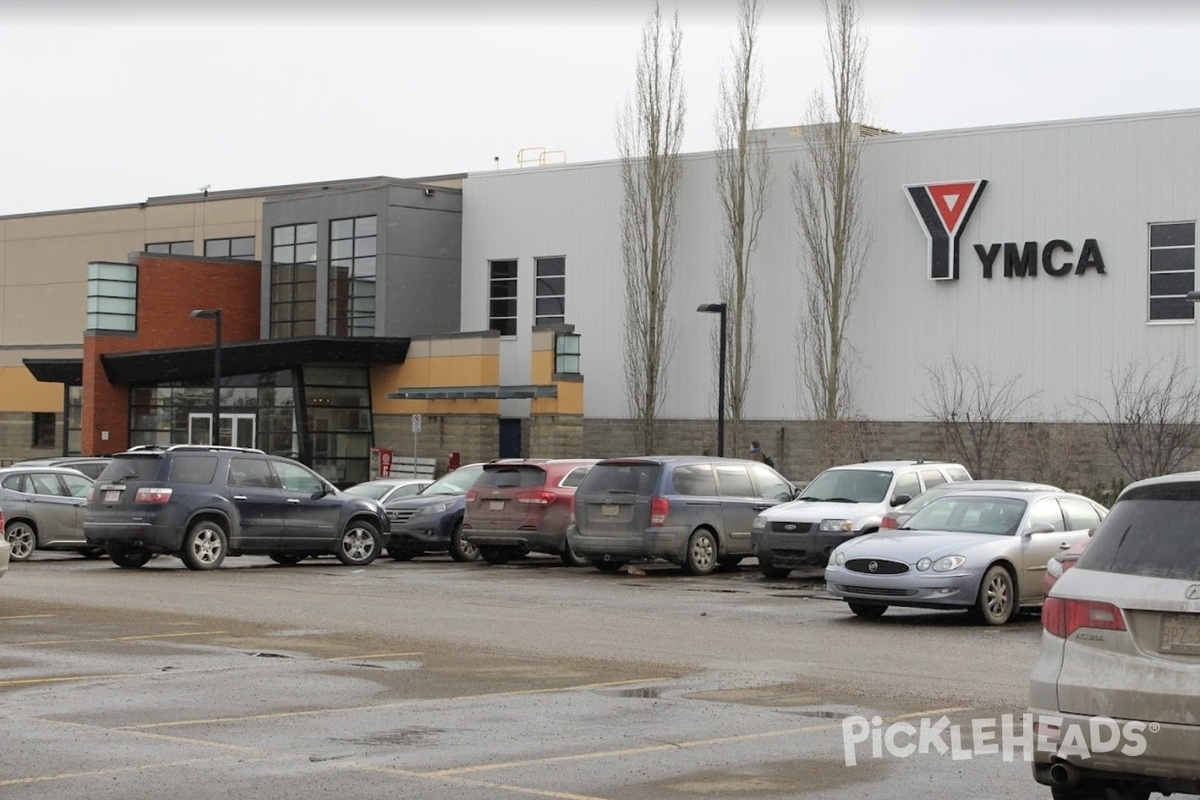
{"x": 294, "y": 280}
{"x": 502, "y": 302}
{"x": 43, "y": 429}
{"x": 551, "y": 306}
{"x": 352, "y": 249}
{"x": 1172, "y": 270}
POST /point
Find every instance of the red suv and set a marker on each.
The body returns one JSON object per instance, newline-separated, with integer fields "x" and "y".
{"x": 521, "y": 505}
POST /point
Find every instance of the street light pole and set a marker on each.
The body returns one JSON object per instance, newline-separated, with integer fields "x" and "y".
{"x": 215, "y": 315}
{"x": 719, "y": 309}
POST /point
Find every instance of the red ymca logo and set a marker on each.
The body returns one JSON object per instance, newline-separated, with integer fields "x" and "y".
{"x": 943, "y": 209}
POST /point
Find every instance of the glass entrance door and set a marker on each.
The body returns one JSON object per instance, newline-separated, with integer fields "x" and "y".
{"x": 238, "y": 430}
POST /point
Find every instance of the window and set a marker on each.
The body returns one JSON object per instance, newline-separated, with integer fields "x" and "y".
{"x": 1080, "y": 514}
{"x": 352, "y": 249}
{"x": 43, "y": 429}
{"x": 1172, "y": 270}
{"x": 296, "y": 478}
{"x": 238, "y": 248}
{"x": 735, "y": 481}
{"x": 253, "y": 473}
{"x": 502, "y": 306}
{"x": 566, "y": 354}
{"x": 112, "y": 297}
{"x": 551, "y": 300}
{"x": 770, "y": 485}
{"x": 695, "y": 480}
{"x": 932, "y": 478}
{"x": 294, "y": 280}
{"x": 172, "y": 248}
{"x": 1048, "y": 511}
{"x": 907, "y": 484}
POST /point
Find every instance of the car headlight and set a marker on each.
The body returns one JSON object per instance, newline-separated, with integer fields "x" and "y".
{"x": 924, "y": 564}
{"x": 949, "y": 563}
{"x": 758, "y": 524}
{"x": 839, "y": 558}
{"x": 836, "y": 525}
{"x": 439, "y": 508}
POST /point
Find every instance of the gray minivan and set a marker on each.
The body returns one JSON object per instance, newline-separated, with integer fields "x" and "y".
{"x": 695, "y": 511}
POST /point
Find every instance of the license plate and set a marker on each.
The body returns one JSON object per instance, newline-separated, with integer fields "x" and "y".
{"x": 610, "y": 510}
{"x": 495, "y": 505}
{"x": 1180, "y": 633}
{"x": 112, "y": 495}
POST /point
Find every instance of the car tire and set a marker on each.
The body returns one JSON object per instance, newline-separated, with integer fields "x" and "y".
{"x": 701, "y": 556}
{"x": 287, "y": 559}
{"x": 204, "y": 545}
{"x": 91, "y": 553}
{"x": 499, "y": 555}
{"x": 997, "y": 600}
{"x": 22, "y": 539}
{"x": 867, "y": 610}
{"x": 460, "y": 548}
{"x": 772, "y": 571}
{"x": 571, "y": 558}
{"x": 608, "y": 566}
{"x": 127, "y": 557}
{"x": 359, "y": 544}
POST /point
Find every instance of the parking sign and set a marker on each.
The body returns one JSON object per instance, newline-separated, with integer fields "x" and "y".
{"x": 416, "y": 423}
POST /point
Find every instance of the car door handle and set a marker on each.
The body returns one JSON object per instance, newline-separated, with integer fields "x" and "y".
{"x": 239, "y": 497}
{"x": 762, "y": 508}
{"x": 293, "y": 501}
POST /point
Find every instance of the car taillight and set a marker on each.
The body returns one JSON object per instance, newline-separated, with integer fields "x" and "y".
{"x": 888, "y": 522}
{"x": 536, "y": 498}
{"x": 659, "y": 506}
{"x": 472, "y": 495}
{"x": 1063, "y": 616}
{"x": 152, "y": 495}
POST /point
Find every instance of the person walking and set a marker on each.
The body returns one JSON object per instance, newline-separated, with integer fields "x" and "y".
{"x": 756, "y": 453}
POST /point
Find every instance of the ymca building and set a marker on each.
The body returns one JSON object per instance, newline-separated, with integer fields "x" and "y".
{"x": 1047, "y": 257}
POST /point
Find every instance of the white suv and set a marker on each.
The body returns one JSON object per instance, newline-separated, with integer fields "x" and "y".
{"x": 839, "y": 504}
{"x": 1115, "y": 691}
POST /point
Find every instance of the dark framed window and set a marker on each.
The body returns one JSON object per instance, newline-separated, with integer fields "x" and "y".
{"x": 294, "y": 280}
{"x": 352, "y": 253}
{"x": 502, "y": 297}
{"x": 44, "y": 428}
{"x": 551, "y": 295}
{"x": 172, "y": 248}
{"x": 237, "y": 248}
{"x": 1172, "y": 271}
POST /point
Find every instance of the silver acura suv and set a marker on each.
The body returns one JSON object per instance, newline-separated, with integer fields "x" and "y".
{"x": 1115, "y": 690}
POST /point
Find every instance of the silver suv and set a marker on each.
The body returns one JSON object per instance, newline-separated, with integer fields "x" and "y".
{"x": 839, "y": 504}
{"x": 1115, "y": 691}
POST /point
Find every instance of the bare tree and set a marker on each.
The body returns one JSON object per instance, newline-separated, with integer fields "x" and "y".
{"x": 1150, "y": 420}
{"x": 827, "y": 195}
{"x": 649, "y": 138}
{"x": 972, "y": 409}
{"x": 743, "y": 178}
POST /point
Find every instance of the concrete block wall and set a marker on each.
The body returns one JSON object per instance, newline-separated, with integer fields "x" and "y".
{"x": 475, "y": 437}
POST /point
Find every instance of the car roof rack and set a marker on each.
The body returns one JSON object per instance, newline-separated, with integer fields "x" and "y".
{"x": 158, "y": 448}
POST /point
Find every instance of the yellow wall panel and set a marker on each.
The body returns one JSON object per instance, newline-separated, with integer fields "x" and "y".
{"x": 20, "y": 391}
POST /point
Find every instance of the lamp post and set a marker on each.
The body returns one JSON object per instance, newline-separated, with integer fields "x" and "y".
{"x": 719, "y": 308}
{"x": 215, "y": 315}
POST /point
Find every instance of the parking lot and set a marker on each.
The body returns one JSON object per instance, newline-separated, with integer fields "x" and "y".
{"x": 432, "y": 679}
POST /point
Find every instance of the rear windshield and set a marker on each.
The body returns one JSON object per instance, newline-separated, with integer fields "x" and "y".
{"x": 1153, "y": 531}
{"x": 511, "y": 478}
{"x": 633, "y": 477}
{"x": 139, "y": 468}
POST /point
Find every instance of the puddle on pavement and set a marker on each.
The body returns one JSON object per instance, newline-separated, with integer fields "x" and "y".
{"x": 403, "y": 737}
{"x": 802, "y": 776}
{"x": 778, "y": 695}
{"x": 269, "y": 655}
{"x": 646, "y": 692}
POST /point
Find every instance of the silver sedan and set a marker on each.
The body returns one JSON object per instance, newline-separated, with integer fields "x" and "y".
{"x": 983, "y": 551}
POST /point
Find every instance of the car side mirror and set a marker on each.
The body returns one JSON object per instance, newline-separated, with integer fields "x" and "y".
{"x": 1039, "y": 527}
{"x": 1091, "y": 531}
{"x": 901, "y": 500}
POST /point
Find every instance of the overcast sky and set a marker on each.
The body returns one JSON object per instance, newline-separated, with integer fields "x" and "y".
{"x": 113, "y": 102}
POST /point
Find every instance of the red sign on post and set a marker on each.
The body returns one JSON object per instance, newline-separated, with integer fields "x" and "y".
{"x": 381, "y": 462}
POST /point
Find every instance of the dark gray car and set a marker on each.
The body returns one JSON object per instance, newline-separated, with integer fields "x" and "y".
{"x": 695, "y": 511}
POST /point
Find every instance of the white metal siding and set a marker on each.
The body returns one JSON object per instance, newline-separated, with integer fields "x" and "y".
{"x": 1054, "y": 337}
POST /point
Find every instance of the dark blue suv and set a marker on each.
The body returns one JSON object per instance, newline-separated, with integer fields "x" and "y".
{"x": 203, "y": 503}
